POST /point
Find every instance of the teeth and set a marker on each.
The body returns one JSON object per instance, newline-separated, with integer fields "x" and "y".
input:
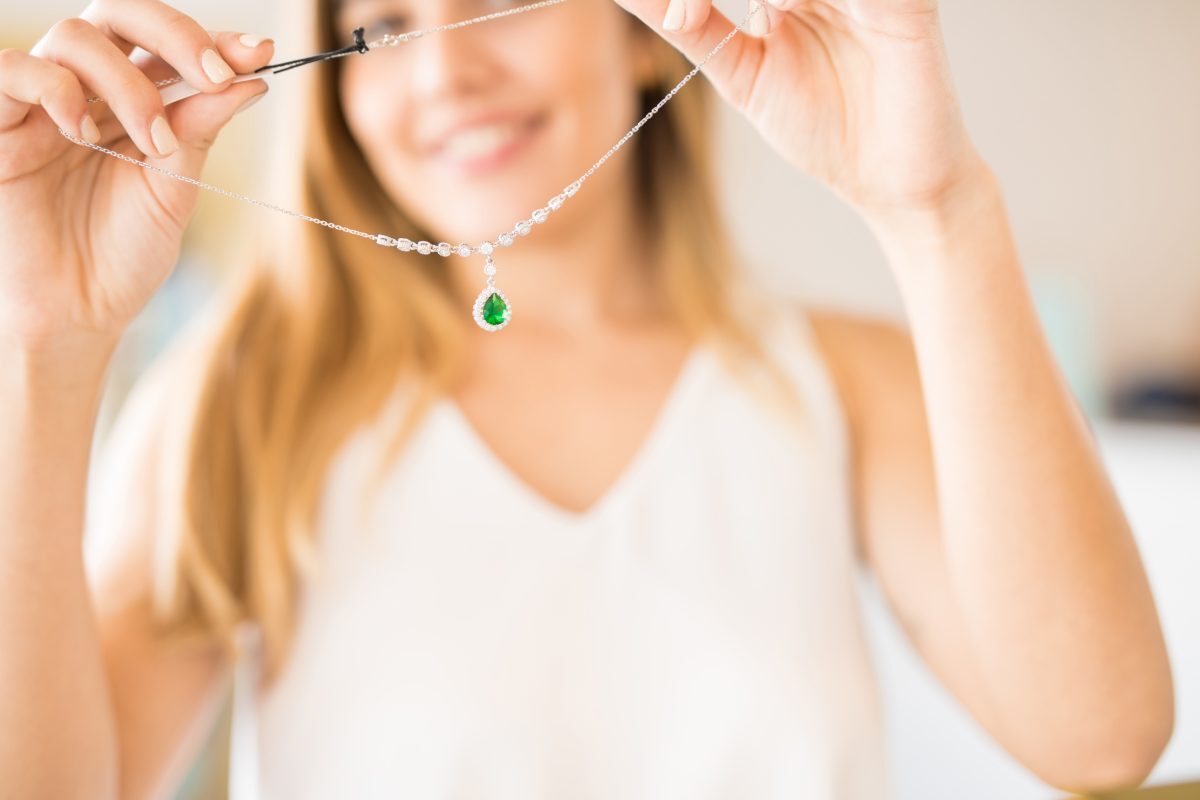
{"x": 482, "y": 140}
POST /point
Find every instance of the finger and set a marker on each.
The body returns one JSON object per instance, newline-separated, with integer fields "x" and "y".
{"x": 233, "y": 47}
{"x": 786, "y": 5}
{"x": 245, "y": 52}
{"x": 167, "y": 33}
{"x": 698, "y": 35}
{"x": 198, "y": 120}
{"x": 765, "y": 20}
{"x": 27, "y": 81}
{"x": 133, "y": 99}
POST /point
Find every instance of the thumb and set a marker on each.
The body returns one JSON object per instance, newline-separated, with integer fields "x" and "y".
{"x": 198, "y": 119}
{"x": 196, "y": 122}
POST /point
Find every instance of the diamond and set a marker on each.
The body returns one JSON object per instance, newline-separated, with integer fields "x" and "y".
{"x": 486, "y": 248}
{"x": 540, "y": 215}
{"x": 404, "y": 244}
{"x": 386, "y": 241}
{"x": 506, "y": 240}
{"x": 444, "y": 249}
{"x": 464, "y": 250}
{"x": 524, "y": 228}
{"x": 424, "y": 248}
{"x": 556, "y": 202}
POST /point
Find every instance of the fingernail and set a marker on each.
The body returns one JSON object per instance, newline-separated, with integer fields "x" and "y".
{"x": 88, "y": 128}
{"x": 163, "y": 137}
{"x": 215, "y": 67}
{"x": 251, "y": 101}
{"x": 251, "y": 40}
{"x": 673, "y": 21}
{"x": 759, "y": 24}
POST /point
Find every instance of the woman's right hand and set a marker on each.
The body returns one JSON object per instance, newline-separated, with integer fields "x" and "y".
{"x": 86, "y": 239}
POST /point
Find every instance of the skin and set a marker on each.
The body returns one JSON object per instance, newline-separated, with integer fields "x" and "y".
{"x": 983, "y": 507}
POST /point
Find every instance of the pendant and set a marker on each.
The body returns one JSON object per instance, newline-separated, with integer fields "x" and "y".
{"x": 492, "y": 310}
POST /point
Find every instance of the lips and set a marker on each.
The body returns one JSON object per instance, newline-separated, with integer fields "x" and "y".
{"x": 484, "y": 145}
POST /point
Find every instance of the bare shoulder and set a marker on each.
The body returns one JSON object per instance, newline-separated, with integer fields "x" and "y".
{"x": 871, "y": 359}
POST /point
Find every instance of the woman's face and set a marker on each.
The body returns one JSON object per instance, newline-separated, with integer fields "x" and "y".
{"x": 470, "y": 130}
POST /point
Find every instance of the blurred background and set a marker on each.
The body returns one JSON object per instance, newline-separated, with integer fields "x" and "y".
{"x": 1089, "y": 112}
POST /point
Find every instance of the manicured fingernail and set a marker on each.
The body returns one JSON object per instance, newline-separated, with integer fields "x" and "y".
{"x": 163, "y": 137}
{"x": 251, "y": 40}
{"x": 673, "y": 21}
{"x": 88, "y": 128}
{"x": 251, "y": 101}
{"x": 759, "y": 24}
{"x": 215, "y": 67}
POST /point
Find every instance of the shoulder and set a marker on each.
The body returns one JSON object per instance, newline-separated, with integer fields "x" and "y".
{"x": 871, "y": 360}
{"x": 135, "y": 457}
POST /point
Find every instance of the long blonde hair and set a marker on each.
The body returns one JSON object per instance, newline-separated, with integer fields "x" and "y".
{"x": 311, "y": 338}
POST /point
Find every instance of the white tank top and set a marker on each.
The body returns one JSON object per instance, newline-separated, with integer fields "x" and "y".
{"x": 695, "y": 635}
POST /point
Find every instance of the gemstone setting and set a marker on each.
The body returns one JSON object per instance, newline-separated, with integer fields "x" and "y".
{"x": 492, "y": 310}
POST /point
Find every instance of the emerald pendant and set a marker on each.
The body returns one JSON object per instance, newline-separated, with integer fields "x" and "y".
{"x": 492, "y": 309}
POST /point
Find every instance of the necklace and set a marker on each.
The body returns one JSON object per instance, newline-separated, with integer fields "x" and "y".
{"x": 492, "y": 309}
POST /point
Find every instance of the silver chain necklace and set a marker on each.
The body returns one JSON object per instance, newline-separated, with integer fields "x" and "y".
{"x": 492, "y": 309}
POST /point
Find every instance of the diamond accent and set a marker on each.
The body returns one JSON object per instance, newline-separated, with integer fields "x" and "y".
{"x": 444, "y": 249}
{"x": 506, "y": 240}
{"x": 540, "y": 215}
{"x": 424, "y": 248}
{"x": 481, "y": 301}
{"x": 464, "y": 250}
{"x": 487, "y": 248}
{"x": 404, "y": 245}
{"x": 386, "y": 241}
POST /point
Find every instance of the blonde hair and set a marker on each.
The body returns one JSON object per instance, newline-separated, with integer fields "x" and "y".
{"x": 312, "y": 337}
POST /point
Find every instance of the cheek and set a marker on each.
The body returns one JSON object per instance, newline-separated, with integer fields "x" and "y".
{"x": 372, "y": 109}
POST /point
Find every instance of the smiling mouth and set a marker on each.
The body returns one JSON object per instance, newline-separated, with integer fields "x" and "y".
{"x": 485, "y": 147}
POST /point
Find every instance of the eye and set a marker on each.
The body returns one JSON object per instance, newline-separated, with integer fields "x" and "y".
{"x": 389, "y": 23}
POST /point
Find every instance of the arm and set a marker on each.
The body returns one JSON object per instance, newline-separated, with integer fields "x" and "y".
{"x": 94, "y": 706}
{"x": 165, "y": 696}
{"x": 986, "y": 512}
{"x": 59, "y": 736}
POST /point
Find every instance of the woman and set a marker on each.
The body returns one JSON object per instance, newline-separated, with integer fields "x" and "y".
{"x": 603, "y": 560}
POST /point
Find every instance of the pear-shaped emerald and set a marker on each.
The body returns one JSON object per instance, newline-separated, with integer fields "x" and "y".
{"x": 495, "y": 310}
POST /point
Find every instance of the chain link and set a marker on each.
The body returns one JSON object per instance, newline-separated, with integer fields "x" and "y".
{"x": 445, "y": 249}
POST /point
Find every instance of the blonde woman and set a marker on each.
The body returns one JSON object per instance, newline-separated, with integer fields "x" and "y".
{"x": 605, "y": 552}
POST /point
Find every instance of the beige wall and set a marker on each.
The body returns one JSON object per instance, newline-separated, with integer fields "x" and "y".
{"x": 1089, "y": 110}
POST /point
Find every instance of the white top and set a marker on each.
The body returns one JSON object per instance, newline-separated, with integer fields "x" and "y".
{"x": 696, "y": 634}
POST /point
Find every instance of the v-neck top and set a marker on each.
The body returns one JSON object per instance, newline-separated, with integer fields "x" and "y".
{"x": 695, "y": 634}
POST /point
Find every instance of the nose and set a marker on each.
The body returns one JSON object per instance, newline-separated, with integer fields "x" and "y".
{"x": 448, "y": 63}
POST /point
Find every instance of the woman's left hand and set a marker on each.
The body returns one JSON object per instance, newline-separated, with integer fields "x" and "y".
{"x": 856, "y": 93}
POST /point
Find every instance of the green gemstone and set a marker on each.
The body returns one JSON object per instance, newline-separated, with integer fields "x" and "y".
{"x": 495, "y": 310}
